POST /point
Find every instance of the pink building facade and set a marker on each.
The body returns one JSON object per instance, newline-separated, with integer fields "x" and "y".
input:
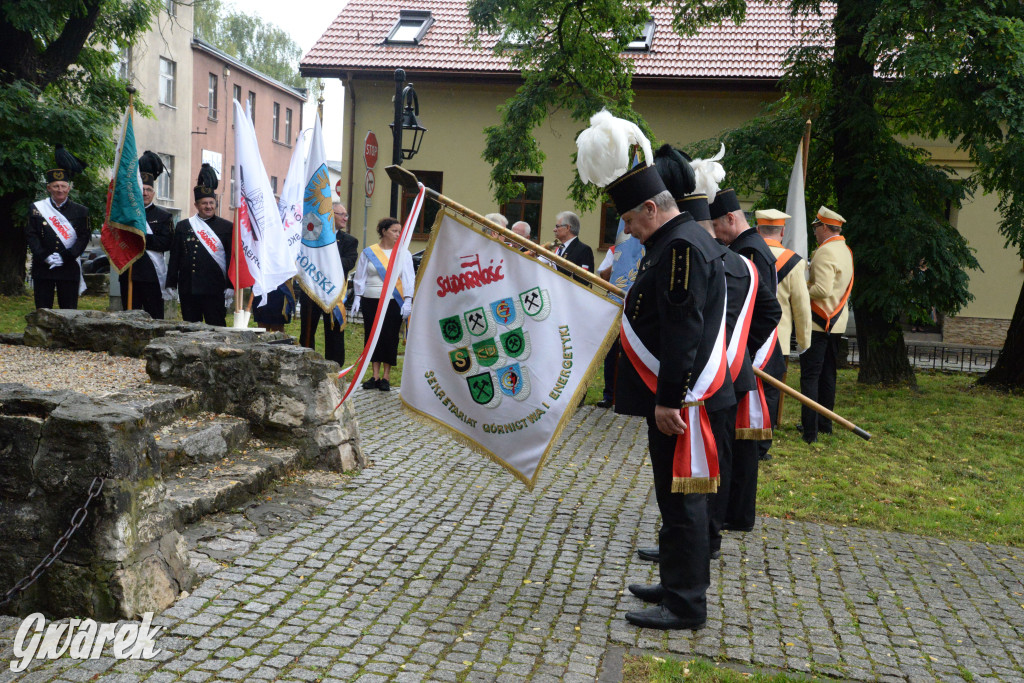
{"x": 218, "y": 80}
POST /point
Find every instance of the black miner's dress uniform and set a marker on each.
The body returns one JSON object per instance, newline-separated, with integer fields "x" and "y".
{"x": 43, "y": 241}
{"x": 146, "y": 293}
{"x": 675, "y": 307}
{"x": 196, "y": 276}
{"x": 310, "y": 312}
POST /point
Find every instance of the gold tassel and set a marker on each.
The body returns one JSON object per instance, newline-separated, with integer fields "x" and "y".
{"x": 695, "y": 485}
{"x": 753, "y": 434}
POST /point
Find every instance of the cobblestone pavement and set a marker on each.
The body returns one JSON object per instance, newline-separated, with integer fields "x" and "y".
{"x": 435, "y": 564}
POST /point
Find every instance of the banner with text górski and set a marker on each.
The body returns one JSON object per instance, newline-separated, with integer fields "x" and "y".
{"x": 500, "y": 346}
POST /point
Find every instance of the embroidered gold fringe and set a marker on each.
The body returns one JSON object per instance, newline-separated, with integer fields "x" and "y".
{"x": 695, "y": 485}
{"x": 752, "y": 434}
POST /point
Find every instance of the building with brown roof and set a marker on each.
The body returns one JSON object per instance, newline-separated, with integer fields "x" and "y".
{"x": 687, "y": 89}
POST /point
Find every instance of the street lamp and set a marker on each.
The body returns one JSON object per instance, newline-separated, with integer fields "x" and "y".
{"x": 407, "y": 109}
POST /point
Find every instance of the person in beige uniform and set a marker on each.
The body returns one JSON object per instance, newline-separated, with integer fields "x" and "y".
{"x": 792, "y": 292}
{"x": 829, "y": 287}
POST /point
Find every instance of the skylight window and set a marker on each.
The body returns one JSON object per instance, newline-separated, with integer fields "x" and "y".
{"x": 410, "y": 28}
{"x": 643, "y": 42}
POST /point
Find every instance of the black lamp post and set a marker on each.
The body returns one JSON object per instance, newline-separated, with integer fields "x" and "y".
{"x": 407, "y": 108}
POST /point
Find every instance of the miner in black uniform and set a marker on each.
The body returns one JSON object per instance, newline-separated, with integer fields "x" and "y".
{"x": 310, "y": 312}
{"x": 200, "y": 254}
{"x": 149, "y": 273}
{"x": 731, "y": 228}
{"x": 675, "y": 310}
{"x": 58, "y": 233}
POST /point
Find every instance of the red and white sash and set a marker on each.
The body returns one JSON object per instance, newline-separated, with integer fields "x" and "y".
{"x": 695, "y": 461}
{"x": 208, "y": 238}
{"x": 62, "y": 227}
{"x": 159, "y": 265}
{"x": 742, "y": 329}
{"x": 752, "y": 418}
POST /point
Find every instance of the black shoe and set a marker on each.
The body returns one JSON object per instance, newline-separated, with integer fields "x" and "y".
{"x": 810, "y": 440}
{"x": 732, "y": 527}
{"x": 384, "y": 385}
{"x": 605, "y": 403}
{"x": 715, "y": 554}
{"x": 762, "y": 457}
{"x": 370, "y": 384}
{"x": 647, "y": 592}
{"x": 662, "y": 617}
{"x": 649, "y": 554}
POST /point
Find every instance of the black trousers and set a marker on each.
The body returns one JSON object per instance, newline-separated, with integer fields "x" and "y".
{"x": 818, "y": 381}
{"x": 309, "y": 319}
{"x": 742, "y": 507}
{"x": 723, "y": 426}
{"x": 387, "y": 344}
{"x": 67, "y": 293}
{"x": 611, "y": 361}
{"x": 199, "y": 308}
{"x": 146, "y": 296}
{"x": 683, "y": 540}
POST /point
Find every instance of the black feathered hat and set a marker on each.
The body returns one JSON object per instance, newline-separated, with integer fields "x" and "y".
{"x": 675, "y": 171}
{"x": 206, "y": 186}
{"x": 67, "y": 166}
{"x": 150, "y": 167}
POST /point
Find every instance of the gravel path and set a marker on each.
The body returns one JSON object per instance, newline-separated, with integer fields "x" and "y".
{"x": 86, "y": 372}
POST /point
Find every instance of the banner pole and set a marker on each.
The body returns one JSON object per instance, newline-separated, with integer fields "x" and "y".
{"x": 812, "y": 404}
{"x": 807, "y": 148}
{"x": 408, "y": 179}
{"x": 235, "y": 239}
{"x": 129, "y": 307}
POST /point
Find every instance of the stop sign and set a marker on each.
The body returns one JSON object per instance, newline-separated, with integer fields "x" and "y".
{"x": 370, "y": 150}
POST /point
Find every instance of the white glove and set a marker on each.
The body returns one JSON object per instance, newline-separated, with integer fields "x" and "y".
{"x": 229, "y": 297}
{"x": 55, "y": 260}
{"x": 355, "y": 304}
{"x": 407, "y": 307}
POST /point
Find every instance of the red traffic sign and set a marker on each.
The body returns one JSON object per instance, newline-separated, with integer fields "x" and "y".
{"x": 337, "y": 188}
{"x": 370, "y": 150}
{"x": 371, "y": 181}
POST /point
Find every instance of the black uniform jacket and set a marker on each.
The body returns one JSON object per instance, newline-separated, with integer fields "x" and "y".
{"x": 191, "y": 269}
{"x": 580, "y": 254}
{"x": 348, "y": 247}
{"x": 751, "y": 245}
{"x": 160, "y": 241}
{"x": 675, "y": 306}
{"x": 43, "y": 241}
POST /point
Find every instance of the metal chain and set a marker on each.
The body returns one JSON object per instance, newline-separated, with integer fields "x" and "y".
{"x": 77, "y": 520}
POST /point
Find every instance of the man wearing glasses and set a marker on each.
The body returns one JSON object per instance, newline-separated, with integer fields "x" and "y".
{"x": 567, "y": 230}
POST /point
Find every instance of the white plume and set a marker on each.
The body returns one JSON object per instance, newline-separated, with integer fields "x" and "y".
{"x": 709, "y": 174}
{"x": 603, "y": 149}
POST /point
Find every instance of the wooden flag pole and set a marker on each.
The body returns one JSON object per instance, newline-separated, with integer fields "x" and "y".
{"x": 129, "y": 307}
{"x": 408, "y": 180}
{"x": 806, "y": 147}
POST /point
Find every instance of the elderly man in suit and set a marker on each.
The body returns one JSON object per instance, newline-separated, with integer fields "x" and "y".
{"x": 567, "y": 230}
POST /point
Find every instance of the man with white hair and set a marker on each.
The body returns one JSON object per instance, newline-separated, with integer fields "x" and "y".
{"x": 829, "y": 286}
{"x": 495, "y": 218}
{"x": 567, "y": 230}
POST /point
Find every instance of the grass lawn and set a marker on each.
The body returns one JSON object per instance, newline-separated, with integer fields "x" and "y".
{"x": 667, "y": 670}
{"x": 946, "y": 460}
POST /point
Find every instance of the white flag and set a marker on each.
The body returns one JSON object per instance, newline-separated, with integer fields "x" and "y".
{"x": 795, "y": 237}
{"x": 289, "y": 204}
{"x": 500, "y": 346}
{"x": 320, "y": 272}
{"x": 263, "y": 238}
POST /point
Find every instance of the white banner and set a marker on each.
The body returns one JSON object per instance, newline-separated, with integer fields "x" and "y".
{"x": 795, "y": 237}
{"x": 320, "y": 272}
{"x": 263, "y": 237}
{"x": 289, "y": 204}
{"x": 500, "y": 346}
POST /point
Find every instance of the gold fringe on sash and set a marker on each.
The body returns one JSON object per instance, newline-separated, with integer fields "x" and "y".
{"x": 695, "y": 485}
{"x": 753, "y": 434}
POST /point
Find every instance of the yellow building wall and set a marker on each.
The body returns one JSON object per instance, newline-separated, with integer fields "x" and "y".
{"x": 997, "y": 286}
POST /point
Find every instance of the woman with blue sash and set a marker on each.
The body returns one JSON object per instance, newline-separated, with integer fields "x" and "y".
{"x": 371, "y": 269}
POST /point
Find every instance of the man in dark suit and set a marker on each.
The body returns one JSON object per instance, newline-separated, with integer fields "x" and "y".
{"x": 58, "y": 233}
{"x": 567, "y": 230}
{"x": 149, "y": 272}
{"x": 310, "y": 314}
{"x": 200, "y": 253}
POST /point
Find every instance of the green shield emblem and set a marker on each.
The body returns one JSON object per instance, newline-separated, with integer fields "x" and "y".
{"x": 513, "y": 342}
{"x": 481, "y": 388}
{"x": 476, "y": 322}
{"x": 533, "y": 301}
{"x": 486, "y": 352}
{"x": 461, "y": 360}
{"x": 451, "y": 329}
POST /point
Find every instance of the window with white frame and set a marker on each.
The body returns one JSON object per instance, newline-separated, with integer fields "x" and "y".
{"x": 276, "y": 129}
{"x": 288, "y": 126}
{"x": 167, "y": 74}
{"x": 211, "y": 103}
{"x": 172, "y": 7}
{"x": 124, "y": 63}
{"x": 164, "y": 187}
{"x": 642, "y": 43}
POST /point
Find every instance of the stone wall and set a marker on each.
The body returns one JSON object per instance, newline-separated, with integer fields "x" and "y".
{"x": 975, "y": 331}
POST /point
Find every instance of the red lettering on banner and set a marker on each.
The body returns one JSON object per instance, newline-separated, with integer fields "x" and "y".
{"x": 472, "y": 277}
{"x": 209, "y": 242}
{"x": 63, "y": 229}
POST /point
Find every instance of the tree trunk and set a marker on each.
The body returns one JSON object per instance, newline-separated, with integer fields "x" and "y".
{"x": 1008, "y": 372}
{"x": 856, "y": 126}
{"x": 15, "y": 248}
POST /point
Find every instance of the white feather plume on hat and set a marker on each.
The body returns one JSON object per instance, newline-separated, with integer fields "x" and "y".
{"x": 603, "y": 149}
{"x": 709, "y": 174}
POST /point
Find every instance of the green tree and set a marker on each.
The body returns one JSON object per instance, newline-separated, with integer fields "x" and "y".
{"x": 892, "y": 70}
{"x": 247, "y": 37}
{"x": 58, "y": 85}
